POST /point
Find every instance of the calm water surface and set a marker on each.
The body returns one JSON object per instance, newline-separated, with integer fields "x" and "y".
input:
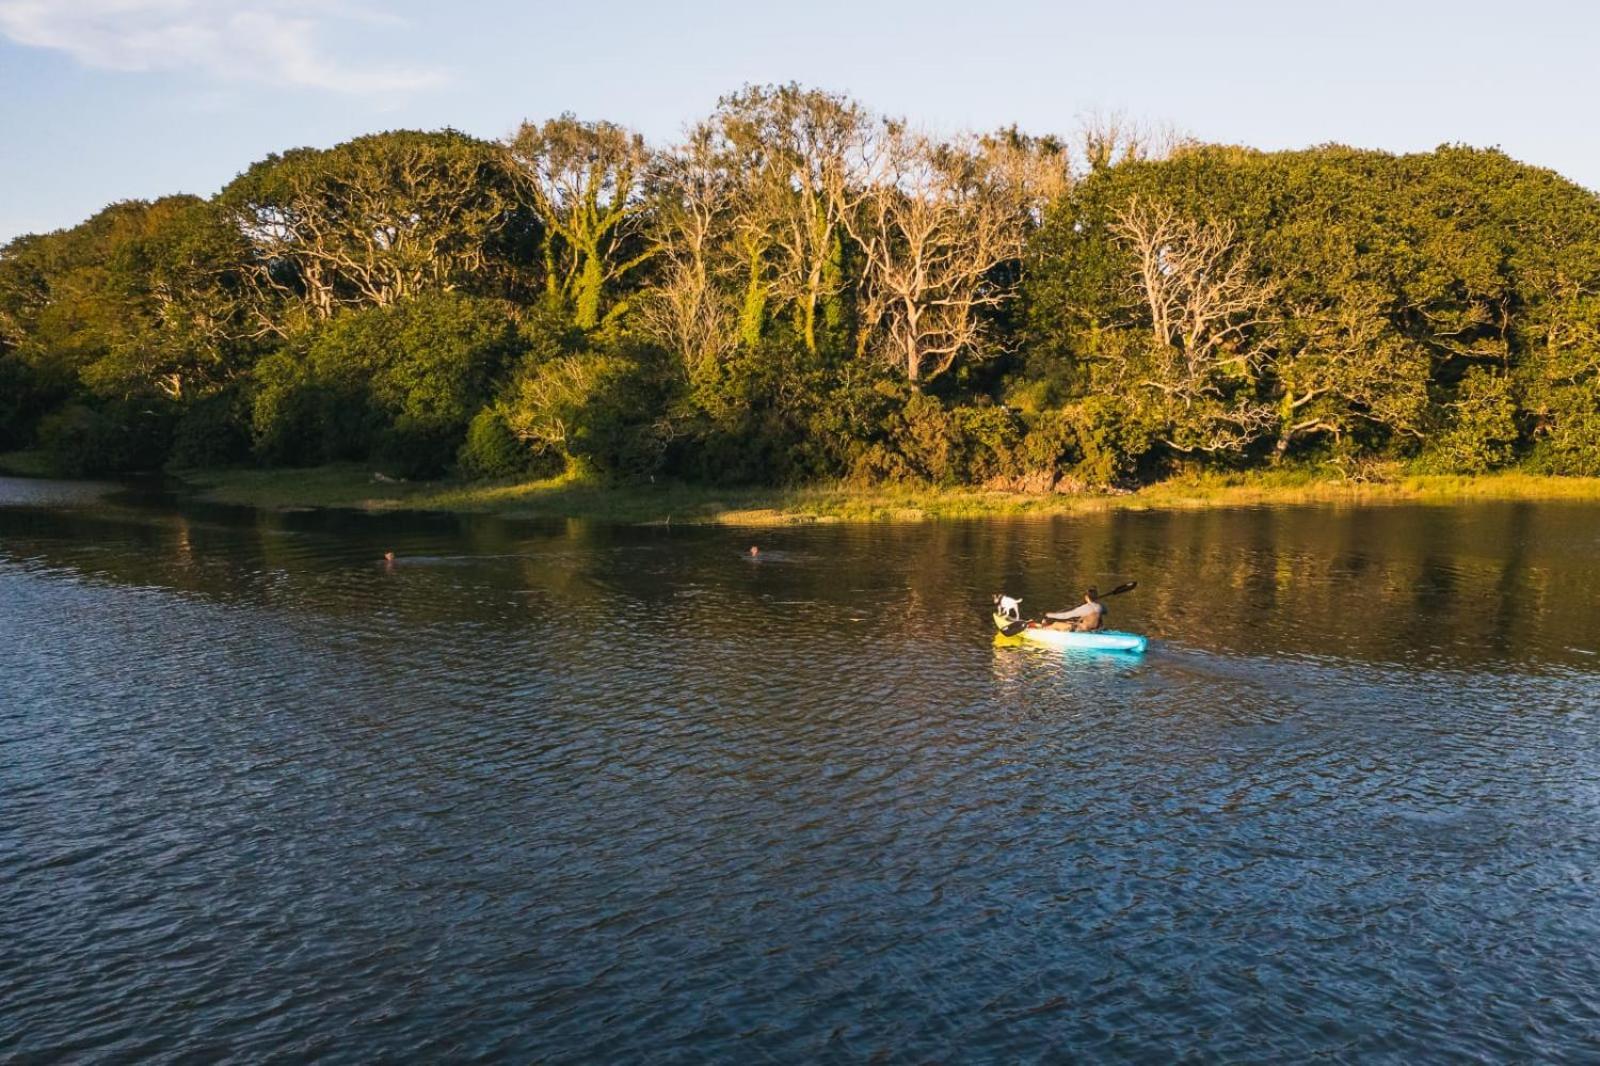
{"x": 576, "y": 793}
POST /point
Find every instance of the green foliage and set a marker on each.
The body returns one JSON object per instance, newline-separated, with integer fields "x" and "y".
{"x": 398, "y": 384}
{"x": 492, "y": 450}
{"x": 298, "y": 420}
{"x": 990, "y": 437}
{"x": 1051, "y": 446}
{"x": 584, "y": 182}
{"x": 924, "y": 441}
{"x": 569, "y": 300}
{"x": 1112, "y": 441}
{"x": 1569, "y": 441}
{"x": 591, "y": 411}
{"x": 767, "y": 413}
{"x": 142, "y": 300}
{"x": 26, "y": 395}
{"x": 117, "y": 438}
{"x": 212, "y": 432}
{"x": 920, "y": 443}
{"x": 376, "y": 221}
{"x": 413, "y": 448}
{"x": 1481, "y": 434}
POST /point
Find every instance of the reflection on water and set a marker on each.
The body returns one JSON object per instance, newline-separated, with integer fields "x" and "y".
{"x": 584, "y": 793}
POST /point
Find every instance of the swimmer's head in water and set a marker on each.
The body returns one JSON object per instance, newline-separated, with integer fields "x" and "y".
{"x": 388, "y": 557}
{"x": 754, "y": 550}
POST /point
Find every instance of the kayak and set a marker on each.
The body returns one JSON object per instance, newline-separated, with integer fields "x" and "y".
{"x": 1100, "y": 640}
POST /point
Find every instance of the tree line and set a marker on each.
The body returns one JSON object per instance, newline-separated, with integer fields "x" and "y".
{"x": 801, "y": 289}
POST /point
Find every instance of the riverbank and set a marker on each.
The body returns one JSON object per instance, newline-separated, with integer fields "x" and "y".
{"x": 350, "y": 486}
{"x": 26, "y": 464}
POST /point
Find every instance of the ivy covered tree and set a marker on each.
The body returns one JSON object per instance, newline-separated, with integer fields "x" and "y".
{"x": 586, "y": 183}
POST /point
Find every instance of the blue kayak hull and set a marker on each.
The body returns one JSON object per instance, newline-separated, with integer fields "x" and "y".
{"x": 1103, "y": 640}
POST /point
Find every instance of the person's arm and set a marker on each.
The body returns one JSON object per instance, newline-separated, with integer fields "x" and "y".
{"x": 1081, "y": 611}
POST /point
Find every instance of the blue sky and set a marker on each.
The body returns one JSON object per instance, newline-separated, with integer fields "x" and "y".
{"x": 108, "y": 99}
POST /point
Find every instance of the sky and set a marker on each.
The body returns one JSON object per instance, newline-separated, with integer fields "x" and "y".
{"x": 104, "y": 100}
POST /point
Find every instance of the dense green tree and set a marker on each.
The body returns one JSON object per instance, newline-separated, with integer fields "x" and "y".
{"x": 1389, "y": 284}
{"x": 399, "y": 383}
{"x": 801, "y": 289}
{"x": 139, "y": 305}
{"x": 591, "y": 410}
{"x": 185, "y": 325}
{"x": 379, "y": 220}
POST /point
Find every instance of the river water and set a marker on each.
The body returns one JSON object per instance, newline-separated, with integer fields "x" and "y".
{"x": 578, "y": 793}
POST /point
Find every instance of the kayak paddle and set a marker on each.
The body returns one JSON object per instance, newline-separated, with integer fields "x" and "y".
{"x": 1119, "y": 590}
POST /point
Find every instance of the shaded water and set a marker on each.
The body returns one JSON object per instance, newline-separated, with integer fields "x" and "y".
{"x": 582, "y": 793}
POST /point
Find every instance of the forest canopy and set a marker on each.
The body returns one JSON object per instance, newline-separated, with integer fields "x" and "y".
{"x": 801, "y": 289}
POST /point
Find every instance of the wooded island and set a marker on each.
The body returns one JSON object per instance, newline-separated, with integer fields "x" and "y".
{"x": 802, "y": 291}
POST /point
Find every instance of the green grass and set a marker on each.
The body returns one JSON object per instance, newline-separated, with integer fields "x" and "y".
{"x": 351, "y": 486}
{"x": 26, "y": 464}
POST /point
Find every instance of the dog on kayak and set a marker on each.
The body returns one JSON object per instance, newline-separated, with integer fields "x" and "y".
{"x": 1008, "y": 606}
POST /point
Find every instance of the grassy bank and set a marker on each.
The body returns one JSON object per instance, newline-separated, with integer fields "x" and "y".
{"x": 357, "y": 487}
{"x": 26, "y": 464}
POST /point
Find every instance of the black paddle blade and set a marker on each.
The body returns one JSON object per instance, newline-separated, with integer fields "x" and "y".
{"x": 1120, "y": 589}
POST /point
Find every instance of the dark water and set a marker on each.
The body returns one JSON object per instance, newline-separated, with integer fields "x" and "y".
{"x": 576, "y": 793}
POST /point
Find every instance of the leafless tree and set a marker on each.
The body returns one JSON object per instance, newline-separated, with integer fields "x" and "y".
{"x": 1107, "y": 138}
{"x": 1036, "y": 170}
{"x": 1208, "y": 320}
{"x": 688, "y": 308}
{"x": 933, "y": 221}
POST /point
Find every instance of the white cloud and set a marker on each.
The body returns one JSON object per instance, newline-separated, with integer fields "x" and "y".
{"x": 271, "y": 41}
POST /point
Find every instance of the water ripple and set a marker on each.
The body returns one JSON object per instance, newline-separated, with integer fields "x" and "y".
{"x": 579, "y": 794}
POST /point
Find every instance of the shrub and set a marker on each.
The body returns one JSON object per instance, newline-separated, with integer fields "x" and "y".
{"x": 414, "y": 448}
{"x": 297, "y": 420}
{"x": 990, "y": 438}
{"x": 1482, "y": 431}
{"x": 118, "y": 438}
{"x": 1111, "y": 441}
{"x": 923, "y": 433}
{"x": 770, "y": 414}
{"x": 492, "y": 450}
{"x": 213, "y": 431}
{"x": 1569, "y": 441}
{"x": 398, "y": 384}
{"x": 1051, "y": 445}
{"x": 25, "y": 396}
{"x": 592, "y": 411}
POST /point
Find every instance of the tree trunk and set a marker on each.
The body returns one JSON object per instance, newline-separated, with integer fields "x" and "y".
{"x": 588, "y": 301}
{"x": 753, "y": 315}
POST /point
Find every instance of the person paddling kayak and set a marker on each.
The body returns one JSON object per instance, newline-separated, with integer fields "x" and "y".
{"x": 1081, "y": 628}
{"x": 1087, "y": 617}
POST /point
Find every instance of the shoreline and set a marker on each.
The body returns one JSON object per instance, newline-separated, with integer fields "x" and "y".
{"x": 354, "y": 487}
